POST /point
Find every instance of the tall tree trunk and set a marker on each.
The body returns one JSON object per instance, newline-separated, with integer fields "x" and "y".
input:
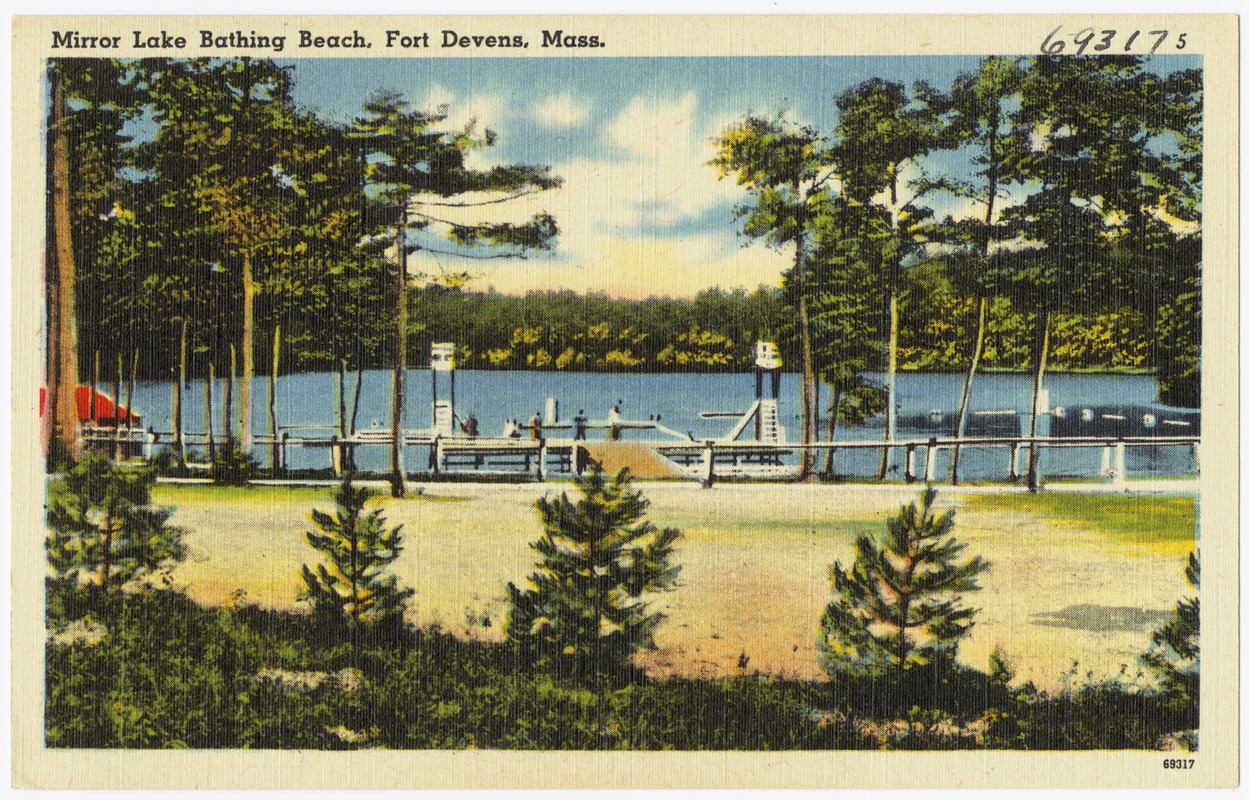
{"x": 986, "y": 238}
{"x": 93, "y": 410}
{"x": 1038, "y": 384}
{"x": 117, "y": 405}
{"x": 891, "y": 368}
{"x": 834, "y": 391}
{"x": 960, "y": 428}
{"x": 815, "y": 427}
{"x": 134, "y": 368}
{"x": 401, "y": 357}
{"x": 355, "y": 400}
{"x": 179, "y": 446}
{"x": 227, "y": 402}
{"x": 340, "y": 397}
{"x": 210, "y": 445}
{"x": 247, "y": 353}
{"x": 891, "y": 378}
{"x": 275, "y": 451}
{"x": 61, "y": 405}
{"x": 809, "y": 409}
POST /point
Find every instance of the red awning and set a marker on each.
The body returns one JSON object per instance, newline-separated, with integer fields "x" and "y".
{"x": 104, "y": 410}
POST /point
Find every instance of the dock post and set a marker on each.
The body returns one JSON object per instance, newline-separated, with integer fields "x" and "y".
{"x": 1013, "y": 473}
{"x": 280, "y": 466}
{"x": 541, "y": 465}
{"x": 930, "y": 460}
{"x": 910, "y": 463}
{"x": 709, "y": 460}
{"x": 336, "y": 457}
{"x": 1104, "y": 470}
{"x": 1120, "y": 477}
{"x": 435, "y": 454}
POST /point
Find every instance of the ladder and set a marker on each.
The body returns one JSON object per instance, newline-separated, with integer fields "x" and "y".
{"x": 768, "y": 425}
{"x": 444, "y": 419}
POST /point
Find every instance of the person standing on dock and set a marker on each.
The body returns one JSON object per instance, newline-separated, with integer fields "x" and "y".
{"x": 578, "y": 426}
{"x": 535, "y": 427}
{"x": 613, "y": 418}
{"x": 469, "y": 426}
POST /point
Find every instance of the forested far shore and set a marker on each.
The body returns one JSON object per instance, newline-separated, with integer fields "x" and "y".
{"x": 712, "y": 332}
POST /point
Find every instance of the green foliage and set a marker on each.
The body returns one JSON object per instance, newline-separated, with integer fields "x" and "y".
{"x": 899, "y": 606}
{"x": 171, "y": 674}
{"x": 103, "y": 530}
{"x": 1179, "y": 345}
{"x": 1175, "y": 652}
{"x": 582, "y": 614}
{"x": 232, "y": 466}
{"x": 351, "y": 589}
{"x": 1097, "y": 148}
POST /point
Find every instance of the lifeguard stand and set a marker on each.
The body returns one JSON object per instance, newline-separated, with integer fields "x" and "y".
{"x": 442, "y": 359}
{"x": 767, "y": 422}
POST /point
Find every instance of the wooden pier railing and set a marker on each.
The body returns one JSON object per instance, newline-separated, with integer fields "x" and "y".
{"x": 705, "y": 461}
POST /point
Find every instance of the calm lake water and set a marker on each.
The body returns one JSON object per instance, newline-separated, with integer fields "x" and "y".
{"x": 676, "y": 400}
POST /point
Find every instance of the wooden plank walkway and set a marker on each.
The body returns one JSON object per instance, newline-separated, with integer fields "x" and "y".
{"x": 639, "y": 457}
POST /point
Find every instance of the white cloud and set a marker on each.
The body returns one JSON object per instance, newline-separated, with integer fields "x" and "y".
{"x": 668, "y": 159}
{"x": 617, "y": 214}
{"x": 560, "y": 111}
{"x": 487, "y": 111}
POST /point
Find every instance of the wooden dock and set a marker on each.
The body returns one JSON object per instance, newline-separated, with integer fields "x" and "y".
{"x": 706, "y": 461}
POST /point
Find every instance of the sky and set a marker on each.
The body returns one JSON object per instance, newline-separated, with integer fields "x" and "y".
{"x": 640, "y": 213}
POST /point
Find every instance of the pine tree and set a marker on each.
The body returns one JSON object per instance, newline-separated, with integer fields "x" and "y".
{"x": 899, "y": 605}
{"x": 582, "y": 614}
{"x": 351, "y": 588}
{"x": 103, "y": 530}
{"x": 1175, "y": 654}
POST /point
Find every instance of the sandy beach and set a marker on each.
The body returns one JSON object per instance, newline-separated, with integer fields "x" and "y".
{"x": 754, "y": 560}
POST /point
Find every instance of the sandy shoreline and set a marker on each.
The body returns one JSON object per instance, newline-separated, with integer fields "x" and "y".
{"x": 754, "y": 568}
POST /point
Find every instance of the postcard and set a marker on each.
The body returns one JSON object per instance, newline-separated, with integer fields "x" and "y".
{"x": 625, "y": 402}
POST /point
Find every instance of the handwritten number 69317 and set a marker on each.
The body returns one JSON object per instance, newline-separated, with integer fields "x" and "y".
{"x": 1056, "y": 44}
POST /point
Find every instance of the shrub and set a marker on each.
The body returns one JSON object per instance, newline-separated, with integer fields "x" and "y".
{"x": 233, "y": 466}
{"x": 351, "y": 587}
{"x": 103, "y": 532}
{"x": 582, "y": 614}
{"x": 899, "y": 605}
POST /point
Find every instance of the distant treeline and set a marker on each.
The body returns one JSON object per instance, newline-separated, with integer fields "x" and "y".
{"x": 716, "y": 331}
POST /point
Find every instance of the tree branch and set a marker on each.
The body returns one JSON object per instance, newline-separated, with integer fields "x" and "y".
{"x": 476, "y": 256}
{"x": 510, "y": 197}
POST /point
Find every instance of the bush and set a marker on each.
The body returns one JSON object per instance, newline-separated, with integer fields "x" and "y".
{"x": 104, "y": 533}
{"x": 233, "y": 466}
{"x": 899, "y": 606}
{"x": 351, "y": 589}
{"x": 582, "y": 615}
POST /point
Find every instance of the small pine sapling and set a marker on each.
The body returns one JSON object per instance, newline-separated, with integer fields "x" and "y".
{"x": 1175, "y": 653}
{"x": 352, "y": 587}
{"x": 103, "y": 530}
{"x": 899, "y": 605}
{"x": 582, "y": 614}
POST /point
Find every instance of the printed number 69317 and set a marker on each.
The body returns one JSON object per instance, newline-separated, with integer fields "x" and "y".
{"x": 1178, "y": 763}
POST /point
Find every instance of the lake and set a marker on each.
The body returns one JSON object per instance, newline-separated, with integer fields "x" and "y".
{"x": 676, "y": 400}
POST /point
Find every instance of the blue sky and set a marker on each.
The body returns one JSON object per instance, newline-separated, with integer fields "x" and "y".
{"x": 640, "y": 213}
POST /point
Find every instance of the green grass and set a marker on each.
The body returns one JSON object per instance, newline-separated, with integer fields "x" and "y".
{"x": 174, "y": 494}
{"x": 1160, "y": 521}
